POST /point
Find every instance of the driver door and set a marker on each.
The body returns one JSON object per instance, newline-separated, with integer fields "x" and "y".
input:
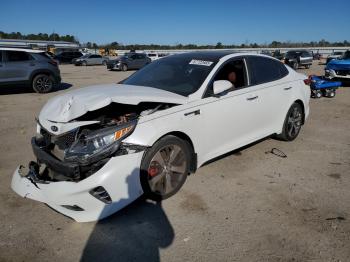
{"x": 227, "y": 120}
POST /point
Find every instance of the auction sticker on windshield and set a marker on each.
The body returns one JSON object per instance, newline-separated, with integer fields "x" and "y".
{"x": 200, "y": 62}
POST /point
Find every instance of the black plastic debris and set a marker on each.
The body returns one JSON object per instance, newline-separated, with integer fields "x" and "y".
{"x": 276, "y": 152}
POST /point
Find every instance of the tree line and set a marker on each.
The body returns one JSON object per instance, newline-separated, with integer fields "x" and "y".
{"x": 219, "y": 45}
{"x": 39, "y": 36}
{"x": 121, "y": 46}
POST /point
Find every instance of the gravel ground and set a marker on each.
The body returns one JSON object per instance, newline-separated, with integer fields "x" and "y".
{"x": 249, "y": 205}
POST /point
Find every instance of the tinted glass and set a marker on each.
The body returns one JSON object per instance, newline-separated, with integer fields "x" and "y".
{"x": 16, "y": 56}
{"x": 263, "y": 70}
{"x": 98, "y": 56}
{"x": 180, "y": 74}
{"x": 0, "y": 56}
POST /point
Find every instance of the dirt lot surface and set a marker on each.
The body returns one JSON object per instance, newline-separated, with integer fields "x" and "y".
{"x": 250, "y": 205}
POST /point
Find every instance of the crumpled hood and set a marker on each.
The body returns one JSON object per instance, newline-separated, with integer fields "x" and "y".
{"x": 339, "y": 64}
{"x": 73, "y": 104}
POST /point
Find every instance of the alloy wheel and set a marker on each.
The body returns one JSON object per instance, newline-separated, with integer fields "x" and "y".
{"x": 166, "y": 169}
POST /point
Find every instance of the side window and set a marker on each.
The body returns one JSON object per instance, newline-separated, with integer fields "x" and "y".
{"x": 133, "y": 57}
{"x": 0, "y": 56}
{"x": 17, "y": 56}
{"x": 233, "y": 71}
{"x": 263, "y": 70}
{"x": 98, "y": 56}
{"x": 92, "y": 56}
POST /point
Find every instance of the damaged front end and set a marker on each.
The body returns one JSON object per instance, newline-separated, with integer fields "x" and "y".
{"x": 88, "y": 172}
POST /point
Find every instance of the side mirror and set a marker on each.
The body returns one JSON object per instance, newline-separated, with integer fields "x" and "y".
{"x": 220, "y": 86}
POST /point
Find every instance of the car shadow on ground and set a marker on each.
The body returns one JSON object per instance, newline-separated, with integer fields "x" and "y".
{"x": 22, "y": 89}
{"x": 135, "y": 233}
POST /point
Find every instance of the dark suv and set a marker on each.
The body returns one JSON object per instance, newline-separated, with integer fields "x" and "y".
{"x": 296, "y": 58}
{"x": 29, "y": 67}
{"x": 129, "y": 61}
{"x": 67, "y": 56}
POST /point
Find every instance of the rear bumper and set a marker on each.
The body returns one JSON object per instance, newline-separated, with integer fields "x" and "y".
{"x": 120, "y": 177}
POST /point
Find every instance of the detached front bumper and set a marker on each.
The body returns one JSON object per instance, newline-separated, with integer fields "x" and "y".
{"x": 119, "y": 177}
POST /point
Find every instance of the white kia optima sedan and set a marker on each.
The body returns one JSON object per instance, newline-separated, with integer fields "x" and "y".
{"x": 101, "y": 147}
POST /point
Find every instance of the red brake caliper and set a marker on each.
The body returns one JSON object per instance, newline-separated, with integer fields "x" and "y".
{"x": 153, "y": 170}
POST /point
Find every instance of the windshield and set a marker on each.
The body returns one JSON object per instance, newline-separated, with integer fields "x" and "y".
{"x": 346, "y": 55}
{"x": 180, "y": 74}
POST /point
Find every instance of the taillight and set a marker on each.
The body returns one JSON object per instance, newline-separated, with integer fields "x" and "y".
{"x": 53, "y": 62}
{"x": 307, "y": 81}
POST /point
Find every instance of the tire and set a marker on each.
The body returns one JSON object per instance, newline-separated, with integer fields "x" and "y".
{"x": 307, "y": 66}
{"x": 158, "y": 177}
{"x": 331, "y": 93}
{"x": 295, "y": 65}
{"x": 292, "y": 123}
{"x": 43, "y": 83}
{"x": 104, "y": 63}
{"x": 84, "y": 63}
{"x": 318, "y": 94}
{"x": 124, "y": 67}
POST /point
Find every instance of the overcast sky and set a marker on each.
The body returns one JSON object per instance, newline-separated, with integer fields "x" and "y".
{"x": 174, "y": 22}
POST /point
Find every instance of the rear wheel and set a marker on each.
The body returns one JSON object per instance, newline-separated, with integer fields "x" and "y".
{"x": 318, "y": 94}
{"x": 292, "y": 123}
{"x": 43, "y": 83}
{"x": 165, "y": 167}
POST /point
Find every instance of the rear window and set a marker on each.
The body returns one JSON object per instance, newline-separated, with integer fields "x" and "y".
{"x": 263, "y": 70}
{"x": 17, "y": 56}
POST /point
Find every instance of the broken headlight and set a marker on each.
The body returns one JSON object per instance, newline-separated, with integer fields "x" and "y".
{"x": 96, "y": 145}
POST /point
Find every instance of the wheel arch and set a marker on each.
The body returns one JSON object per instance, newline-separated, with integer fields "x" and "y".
{"x": 186, "y": 138}
{"x": 298, "y": 101}
{"x": 38, "y": 72}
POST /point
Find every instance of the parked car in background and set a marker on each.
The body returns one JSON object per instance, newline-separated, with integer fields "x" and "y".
{"x": 278, "y": 55}
{"x": 91, "y": 59}
{"x": 153, "y": 56}
{"x": 266, "y": 52}
{"x": 100, "y": 148}
{"x": 34, "y": 68}
{"x": 67, "y": 56}
{"x": 339, "y": 68}
{"x": 296, "y": 58}
{"x": 335, "y": 55}
{"x": 129, "y": 61}
{"x": 316, "y": 56}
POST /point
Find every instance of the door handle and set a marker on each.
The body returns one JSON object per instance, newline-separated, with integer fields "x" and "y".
{"x": 252, "y": 98}
{"x": 196, "y": 112}
{"x": 287, "y": 88}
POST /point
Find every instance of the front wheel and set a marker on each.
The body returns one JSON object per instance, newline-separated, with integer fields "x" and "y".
{"x": 43, "y": 83}
{"x": 292, "y": 123}
{"x": 165, "y": 167}
{"x": 124, "y": 67}
{"x": 295, "y": 65}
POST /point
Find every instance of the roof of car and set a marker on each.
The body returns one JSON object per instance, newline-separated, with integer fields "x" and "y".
{"x": 208, "y": 55}
{"x": 21, "y": 49}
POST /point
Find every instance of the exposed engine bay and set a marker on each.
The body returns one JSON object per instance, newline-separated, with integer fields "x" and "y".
{"x": 79, "y": 153}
